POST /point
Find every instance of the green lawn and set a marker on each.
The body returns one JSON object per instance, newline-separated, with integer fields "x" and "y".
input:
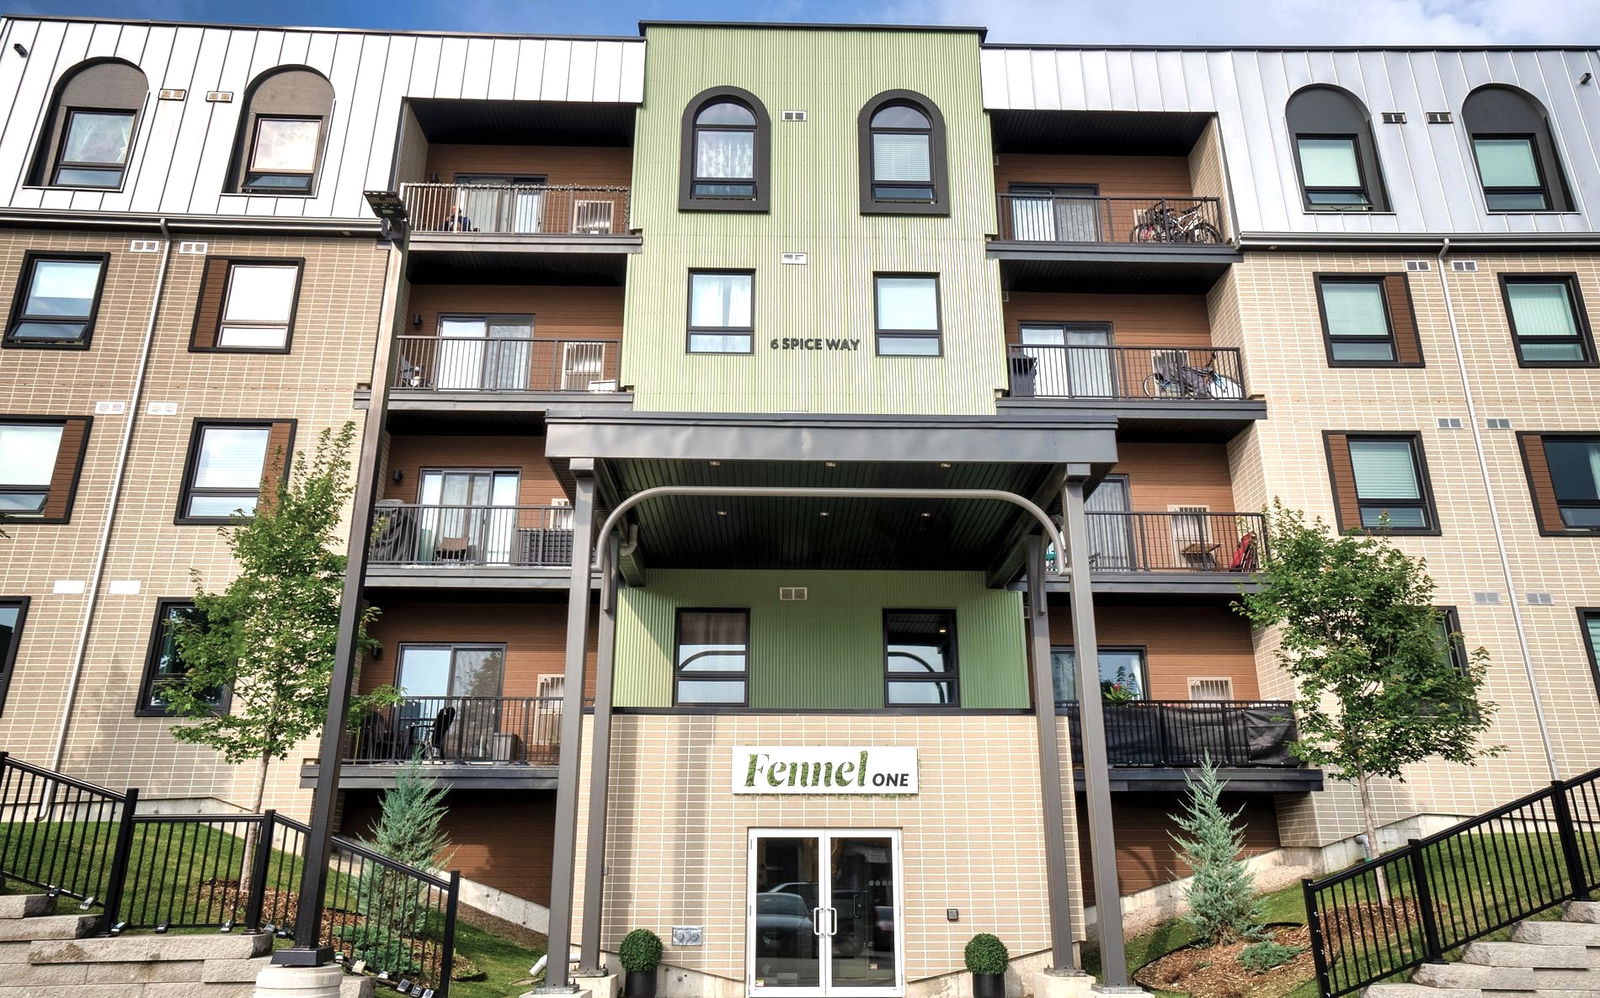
{"x": 503, "y": 962}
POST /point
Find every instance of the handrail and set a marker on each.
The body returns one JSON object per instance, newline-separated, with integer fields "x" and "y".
{"x": 477, "y": 363}
{"x": 1246, "y": 734}
{"x": 582, "y": 210}
{"x": 439, "y": 534}
{"x": 1175, "y": 541}
{"x": 1048, "y": 217}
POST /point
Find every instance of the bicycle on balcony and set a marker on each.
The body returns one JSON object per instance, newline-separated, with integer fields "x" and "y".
{"x": 1173, "y": 378}
{"x": 1165, "y": 224}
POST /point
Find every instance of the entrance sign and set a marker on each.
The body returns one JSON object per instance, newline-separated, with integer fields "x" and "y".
{"x": 789, "y": 769}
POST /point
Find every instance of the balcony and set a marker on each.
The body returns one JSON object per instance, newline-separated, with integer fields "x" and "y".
{"x": 467, "y": 742}
{"x": 1150, "y": 744}
{"x": 471, "y": 546}
{"x": 476, "y": 364}
{"x": 1195, "y": 553}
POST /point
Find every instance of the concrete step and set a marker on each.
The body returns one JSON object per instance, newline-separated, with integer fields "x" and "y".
{"x": 159, "y": 972}
{"x": 1418, "y": 991}
{"x": 199, "y": 991}
{"x": 39, "y": 927}
{"x": 1496, "y": 979}
{"x": 24, "y": 905}
{"x": 1558, "y": 933}
{"x": 1581, "y": 911}
{"x": 1531, "y": 955}
{"x": 357, "y": 987}
{"x": 137, "y": 949}
{"x": 73, "y": 991}
{"x": 233, "y": 971}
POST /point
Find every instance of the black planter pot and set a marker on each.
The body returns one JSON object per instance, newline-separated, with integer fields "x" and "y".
{"x": 983, "y": 986}
{"x": 640, "y": 984}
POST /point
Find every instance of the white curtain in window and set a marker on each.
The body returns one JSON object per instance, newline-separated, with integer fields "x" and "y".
{"x": 28, "y": 453}
{"x": 1355, "y": 308}
{"x": 907, "y": 303}
{"x": 1328, "y": 162}
{"x": 901, "y": 157}
{"x": 720, "y": 300}
{"x": 260, "y": 294}
{"x": 725, "y": 155}
{"x": 1506, "y": 162}
{"x": 1384, "y": 469}
{"x": 1541, "y": 309}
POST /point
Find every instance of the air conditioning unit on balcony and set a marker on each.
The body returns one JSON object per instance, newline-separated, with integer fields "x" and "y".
{"x": 1210, "y": 688}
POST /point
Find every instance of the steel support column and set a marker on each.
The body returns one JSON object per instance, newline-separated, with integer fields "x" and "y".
{"x": 594, "y": 869}
{"x": 1096, "y": 773}
{"x": 1064, "y": 956}
{"x": 564, "y": 851}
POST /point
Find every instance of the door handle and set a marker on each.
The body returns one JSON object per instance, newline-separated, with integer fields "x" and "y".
{"x": 833, "y": 921}
{"x": 816, "y": 921}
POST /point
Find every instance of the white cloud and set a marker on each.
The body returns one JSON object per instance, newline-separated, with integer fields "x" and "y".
{"x": 1266, "y": 22}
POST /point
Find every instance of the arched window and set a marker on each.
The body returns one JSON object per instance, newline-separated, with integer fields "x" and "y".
{"x": 279, "y": 146}
{"x": 88, "y": 136}
{"x": 902, "y": 156}
{"x": 1334, "y": 153}
{"x": 1516, "y": 156}
{"x": 726, "y": 135}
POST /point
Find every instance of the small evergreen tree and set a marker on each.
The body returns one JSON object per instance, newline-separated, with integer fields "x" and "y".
{"x": 1221, "y": 892}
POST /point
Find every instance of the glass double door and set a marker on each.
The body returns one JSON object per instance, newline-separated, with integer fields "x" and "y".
{"x": 824, "y": 913}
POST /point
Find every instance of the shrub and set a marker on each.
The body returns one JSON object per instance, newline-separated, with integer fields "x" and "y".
{"x": 1221, "y": 894}
{"x": 986, "y": 954}
{"x": 1263, "y": 956}
{"x": 640, "y": 951}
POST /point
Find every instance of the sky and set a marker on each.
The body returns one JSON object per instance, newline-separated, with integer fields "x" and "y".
{"x": 1164, "y": 22}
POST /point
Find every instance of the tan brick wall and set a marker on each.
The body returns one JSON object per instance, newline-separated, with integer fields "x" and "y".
{"x": 972, "y": 838}
{"x": 331, "y": 352}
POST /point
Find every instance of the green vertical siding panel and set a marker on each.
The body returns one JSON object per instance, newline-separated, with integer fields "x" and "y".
{"x": 815, "y": 209}
{"x": 825, "y": 652}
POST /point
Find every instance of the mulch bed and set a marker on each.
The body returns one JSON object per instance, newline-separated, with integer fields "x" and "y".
{"x": 1215, "y": 971}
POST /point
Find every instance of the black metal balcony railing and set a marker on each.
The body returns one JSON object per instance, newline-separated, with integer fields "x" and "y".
{"x": 1185, "y": 733}
{"x": 474, "y": 364}
{"x": 509, "y": 730}
{"x": 1178, "y": 541}
{"x": 1183, "y": 374}
{"x": 1081, "y": 218}
{"x": 412, "y": 534}
{"x": 517, "y": 209}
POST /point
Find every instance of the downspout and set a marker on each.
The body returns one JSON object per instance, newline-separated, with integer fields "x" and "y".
{"x": 1494, "y": 518}
{"x": 97, "y": 574}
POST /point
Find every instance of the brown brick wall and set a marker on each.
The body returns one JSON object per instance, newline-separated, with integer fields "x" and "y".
{"x": 1146, "y": 855}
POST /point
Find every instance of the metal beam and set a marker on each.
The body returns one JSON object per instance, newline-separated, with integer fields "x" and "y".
{"x": 600, "y": 762}
{"x": 1096, "y": 771}
{"x": 564, "y": 850}
{"x": 1064, "y": 956}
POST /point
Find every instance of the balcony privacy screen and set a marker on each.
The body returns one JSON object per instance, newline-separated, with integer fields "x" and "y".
{"x": 1159, "y": 734}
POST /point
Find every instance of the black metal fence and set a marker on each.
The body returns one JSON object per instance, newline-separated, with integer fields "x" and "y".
{"x": 226, "y": 871}
{"x": 517, "y": 209}
{"x": 413, "y": 534}
{"x": 1185, "y": 733}
{"x": 1418, "y": 903}
{"x": 462, "y": 729}
{"x": 1178, "y": 541}
{"x": 1044, "y": 217}
{"x": 479, "y": 364}
{"x": 1203, "y": 374}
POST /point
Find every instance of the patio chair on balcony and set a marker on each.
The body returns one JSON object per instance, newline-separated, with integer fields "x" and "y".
{"x": 430, "y": 736}
{"x": 453, "y": 549}
{"x": 1244, "y": 557}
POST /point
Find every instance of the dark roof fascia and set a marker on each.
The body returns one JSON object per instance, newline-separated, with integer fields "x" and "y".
{"x": 229, "y": 26}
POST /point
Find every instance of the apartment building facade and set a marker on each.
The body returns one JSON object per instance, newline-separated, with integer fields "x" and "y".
{"x": 828, "y": 346}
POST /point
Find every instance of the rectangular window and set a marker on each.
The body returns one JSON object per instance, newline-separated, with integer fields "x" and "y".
{"x": 1330, "y": 170}
{"x": 1450, "y": 636}
{"x": 13, "y": 614}
{"x": 435, "y": 672}
{"x": 1548, "y": 324}
{"x": 1355, "y": 320}
{"x": 94, "y": 151}
{"x": 1589, "y": 621}
{"x": 283, "y": 156}
{"x": 920, "y": 658}
{"x": 163, "y": 665}
{"x": 1509, "y": 168}
{"x": 56, "y": 301}
{"x": 230, "y": 466}
{"x": 258, "y": 306}
{"x": 721, "y": 311}
{"x": 1574, "y": 464}
{"x": 1122, "y": 674}
{"x": 1389, "y": 481}
{"x": 40, "y": 461}
{"x": 712, "y": 663}
{"x": 907, "y": 314}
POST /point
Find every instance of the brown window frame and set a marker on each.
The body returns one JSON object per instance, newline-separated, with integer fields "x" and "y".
{"x": 1542, "y": 486}
{"x": 678, "y": 675}
{"x": 1580, "y": 317}
{"x": 1349, "y": 519}
{"x": 952, "y": 678}
{"x": 152, "y": 658}
{"x": 19, "y": 301}
{"x": 938, "y": 166}
{"x": 1401, "y": 340}
{"x": 216, "y": 283}
{"x": 8, "y": 658}
{"x": 1144, "y": 669}
{"x": 72, "y": 479}
{"x": 761, "y": 166}
{"x": 191, "y": 464}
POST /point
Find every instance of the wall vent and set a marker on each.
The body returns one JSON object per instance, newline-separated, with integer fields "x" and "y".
{"x": 161, "y": 408}
{"x": 219, "y": 96}
{"x": 793, "y": 594}
{"x": 144, "y": 245}
{"x": 194, "y": 248}
{"x": 1439, "y": 118}
{"x": 1210, "y": 688}
{"x": 794, "y": 116}
{"x": 1416, "y": 265}
{"x": 1497, "y": 423}
{"x": 171, "y": 94}
{"x": 1449, "y": 422}
{"x": 1486, "y": 598}
{"x": 1464, "y": 266}
{"x": 1394, "y": 117}
{"x": 793, "y": 259}
{"x": 110, "y": 408}
{"x": 1540, "y": 599}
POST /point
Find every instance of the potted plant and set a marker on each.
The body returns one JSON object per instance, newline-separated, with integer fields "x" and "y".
{"x": 640, "y": 954}
{"x": 986, "y": 958}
